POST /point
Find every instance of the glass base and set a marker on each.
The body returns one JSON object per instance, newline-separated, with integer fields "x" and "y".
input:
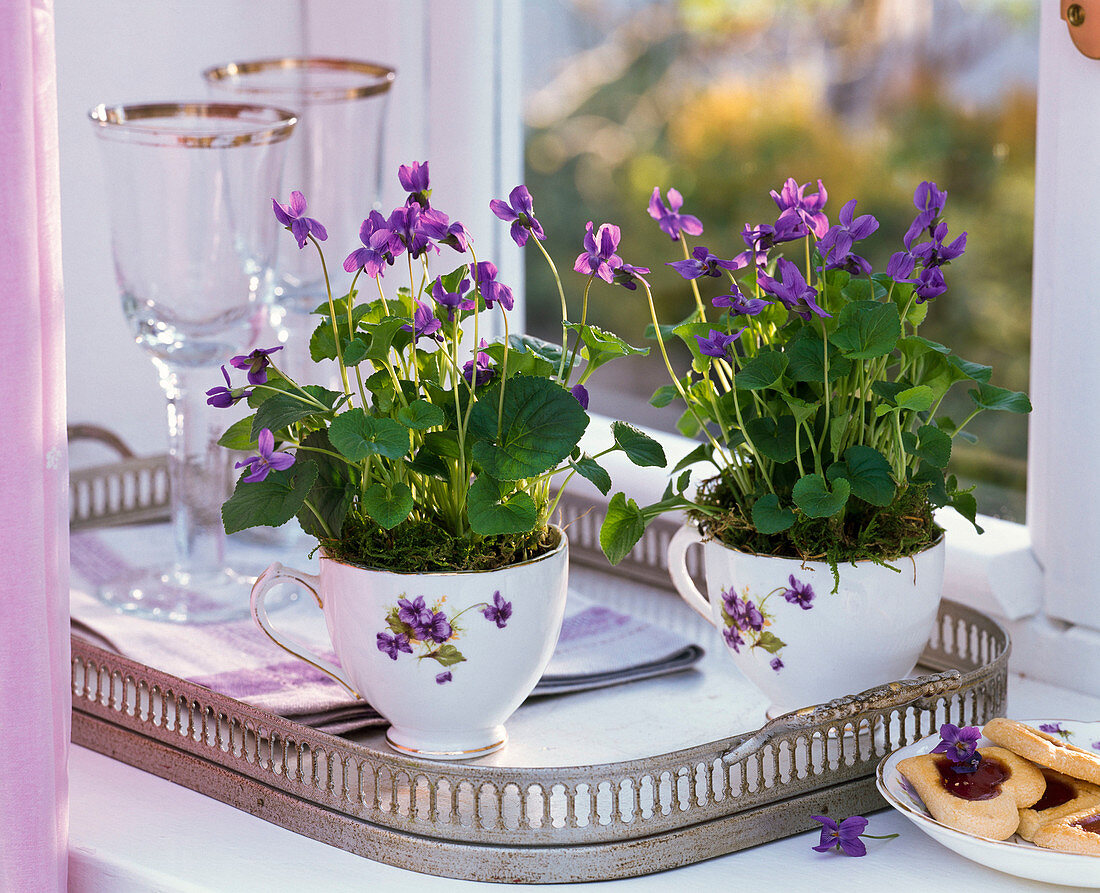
{"x": 180, "y": 597}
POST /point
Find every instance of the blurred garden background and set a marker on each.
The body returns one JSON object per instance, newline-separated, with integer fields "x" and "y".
{"x": 725, "y": 99}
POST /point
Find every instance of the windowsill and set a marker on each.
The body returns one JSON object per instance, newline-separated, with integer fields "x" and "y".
{"x": 995, "y": 572}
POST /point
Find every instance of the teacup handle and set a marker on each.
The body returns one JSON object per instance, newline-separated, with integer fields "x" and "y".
{"x": 274, "y": 575}
{"x": 685, "y": 538}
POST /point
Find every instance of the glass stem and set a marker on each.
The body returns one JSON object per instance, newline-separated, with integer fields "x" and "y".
{"x": 198, "y": 471}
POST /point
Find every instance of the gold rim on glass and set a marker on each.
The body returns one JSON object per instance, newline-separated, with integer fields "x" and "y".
{"x": 194, "y": 125}
{"x": 374, "y": 78}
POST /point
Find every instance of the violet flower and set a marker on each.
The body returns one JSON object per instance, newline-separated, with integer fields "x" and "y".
{"x": 520, "y": 212}
{"x": 929, "y": 201}
{"x": 776, "y": 664}
{"x": 424, "y": 323}
{"x": 717, "y": 344}
{"x": 453, "y": 301}
{"x": 1054, "y": 728}
{"x": 256, "y": 363}
{"x": 478, "y": 367}
{"x": 836, "y": 245}
{"x": 960, "y": 746}
{"x": 599, "y": 257}
{"x": 225, "y": 397}
{"x": 292, "y": 216}
{"x": 901, "y": 266}
{"x": 732, "y": 635}
{"x": 801, "y": 594}
{"x": 438, "y": 628}
{"x": 373, "y": 256}
{"x": 499, "y": 611}
{"x": 930, "y": 284}
{"x": 436, "y": 225}
{"x": 703, "y": 263}
{"x": 442, "y": 678}
{"x": 800, "y": 212}
{"x": 415, "y": 614}
{"x": 739, "y": 304}
{"x": 843, "y": 837}
{"x": 793, "y": 290}
{"x": 391, "y": 644}
{"x": 669, "y": 218}
{"x": 485, "y": 276}
{"x": 268, "y": 460}
{"x": 414, "y": 180}
{"x": 581, "y": 393}
{"x": 405, "y": 232}
{"x": 628, "y": 276}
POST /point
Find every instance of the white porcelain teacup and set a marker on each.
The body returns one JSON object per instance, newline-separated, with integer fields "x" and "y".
{"x": 446, "y": 658}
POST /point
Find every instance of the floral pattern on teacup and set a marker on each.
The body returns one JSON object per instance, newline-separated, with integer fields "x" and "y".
{"x": 746, "y": 622}
{"x": 428, "y": 633}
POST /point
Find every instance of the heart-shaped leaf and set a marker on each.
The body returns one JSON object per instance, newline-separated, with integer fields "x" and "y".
{"x": 989, "y": 396}
{"x": 493, "y": 510}
{"x": 330, "y": 496}
{"x": 930, "y": 444}
{"x": 357, "y": 436}
{"x": 807, "y": 359}
{"x": 762, "y": 371}
{"x": 622, "y": 528}
{"x": 812, "y": 494}
{"x": 867, "y": 472}
{"x": 590, "y": 469}
{"x": 388, "y": 505}
{"x": 639, "y": 447}
{"x": 270, "y": 502}
{"x": 867, "y": 329}
{"x": 238, "y": 436}
{"x": 421, "y": 415}
{"x": 447, "y": 655}
{"x": 540, "y": 425}
{"x": 775, "y": 440}
{"x": 769, "y": 517}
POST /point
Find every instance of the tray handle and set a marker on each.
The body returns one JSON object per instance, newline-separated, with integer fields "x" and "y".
{"x": 275, "y": 574}
{"x": 881, "y": 697}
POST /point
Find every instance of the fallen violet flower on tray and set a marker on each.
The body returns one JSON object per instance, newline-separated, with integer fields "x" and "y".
{"x": 845, "y": 837}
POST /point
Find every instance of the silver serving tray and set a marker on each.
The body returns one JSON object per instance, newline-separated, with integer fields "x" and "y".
{"x": 540, "y": 811}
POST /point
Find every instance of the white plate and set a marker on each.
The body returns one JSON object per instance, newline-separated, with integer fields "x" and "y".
{"x": 1013, "y": 856}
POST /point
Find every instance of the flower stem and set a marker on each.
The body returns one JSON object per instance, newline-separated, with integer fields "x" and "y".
{"x": 332, "y": 316}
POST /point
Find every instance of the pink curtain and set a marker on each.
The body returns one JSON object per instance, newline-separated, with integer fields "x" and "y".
{"x": 35, "y": 699}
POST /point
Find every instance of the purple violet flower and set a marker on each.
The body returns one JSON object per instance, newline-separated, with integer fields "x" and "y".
{"x": 414, "y": 180}
{"x": 732, "y": 635}
{"x": 1095, "y": 745}
{"x": 717, "y": 344}
{"x": 374, "y": 255}
{"x": 269, "y": 459}
{"x": 669, "y": 218}
{"x": 930, "y": 284}
{"x": 843, "y": 837}
{"x": 520, "y": 212}
{"x": 391, "y": 644}
{"x": 776, "y": 664}
{"x": 801, "y": 594}
{"x": 424, "y": 323}
{"x": 901, "y": 265}
{"x": 414, "y": 614}
{"x": 405, "y": 233}
{"x": 443, "y": 678}
{"x": 499, "y": 611}
{"x": 739, "y": 304}
{"x": 225, "y": 397}
{"x": 836, "y": 245}
{"x": 793, "y": 290}
{"x": 599, "y": 257}
{"x": 436, "y": 225}
{"x": 453, "y": 301}
{"x": 703, "y": 263}
{"x": 753, "y": 618}
{"x": 479, "y": 368}
{"x": 628, "y": 276}
{"x": 438, "y": 628}
{"x": 929, "y": 201}
{"x": 581, "y": 393}
{"x": 960, "y": 746}
{"x": 256, "y": 363}
{"x": 292, "y": 216}
{"x": 799, "y": 212}
{"x": 1054, "y": 728}
{"x": 485, "y": 276}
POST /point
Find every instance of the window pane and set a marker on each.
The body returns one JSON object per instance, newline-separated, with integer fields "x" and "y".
{"x": 724, "y": 101}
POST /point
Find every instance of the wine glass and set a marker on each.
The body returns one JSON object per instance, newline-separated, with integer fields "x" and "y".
{"x": 334, "y": 159}
{"x": 193, "y": 239}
